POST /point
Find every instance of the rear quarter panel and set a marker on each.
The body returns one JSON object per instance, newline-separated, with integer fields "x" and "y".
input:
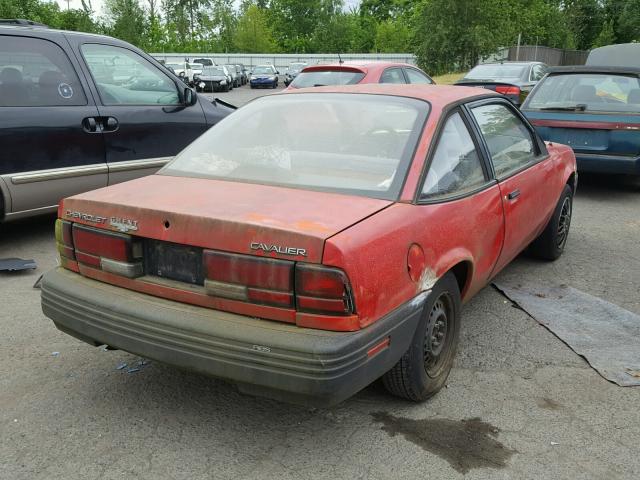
{"x": 374, "y": 252}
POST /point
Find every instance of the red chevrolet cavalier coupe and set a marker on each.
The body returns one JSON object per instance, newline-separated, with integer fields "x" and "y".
{"x": 311, "y": 243}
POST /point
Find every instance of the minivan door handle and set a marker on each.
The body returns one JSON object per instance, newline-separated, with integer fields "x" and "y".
{"x": 110, "y": 124}
{"x": 90, "y": 125}
{"x": 513, "y": 195}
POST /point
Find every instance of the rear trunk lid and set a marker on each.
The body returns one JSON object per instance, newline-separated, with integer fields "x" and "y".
{"x": 590, "y": 133}
{"x": 234, "y": 217}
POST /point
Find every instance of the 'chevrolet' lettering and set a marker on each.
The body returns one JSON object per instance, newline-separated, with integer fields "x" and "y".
{"x": 279, "y": 249}
{"x": 87, "y": 217}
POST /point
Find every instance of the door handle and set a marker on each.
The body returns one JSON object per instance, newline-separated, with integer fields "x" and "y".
{"x": 90, "y": 125}
{"x": 110, "y": 124}
{"x": 513, "y": 195}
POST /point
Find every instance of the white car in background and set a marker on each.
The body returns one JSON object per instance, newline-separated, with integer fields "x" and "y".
{"x": 182, "y": 69}
{"x": 197, "y": 68}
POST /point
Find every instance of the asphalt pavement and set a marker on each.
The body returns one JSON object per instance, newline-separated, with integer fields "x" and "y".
{"x": 519, "y": 403}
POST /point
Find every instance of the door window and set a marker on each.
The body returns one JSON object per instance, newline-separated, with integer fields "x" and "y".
{"x": 537, "y": 72}
{"x": 509, "y": 141}
{"x": 36, "y": 72}
{"x": 125, "y": 78}
{"x": 417, "y": 77}
{"x": 456, "y": 167}
{"x": 392, "y": 75}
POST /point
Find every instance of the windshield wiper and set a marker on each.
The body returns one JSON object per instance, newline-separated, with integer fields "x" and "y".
{"x": 581, "y": 107}
{"x": 319, "y": 85}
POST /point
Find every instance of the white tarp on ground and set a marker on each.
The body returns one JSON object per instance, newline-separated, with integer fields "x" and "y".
{"x": 607, "y": 336}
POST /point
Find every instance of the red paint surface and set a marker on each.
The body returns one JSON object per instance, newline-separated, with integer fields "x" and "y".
{"x": 368, "y": 239}
{"x": 227, "y": 216}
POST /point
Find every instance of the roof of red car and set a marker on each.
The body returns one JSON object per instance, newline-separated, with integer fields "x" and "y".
{"x": 364, "y": 65}
{"x": 437, "y": 95}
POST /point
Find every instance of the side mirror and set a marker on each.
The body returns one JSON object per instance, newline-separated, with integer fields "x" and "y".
{"x": 190, "y": 97}
{"x": 277, "y": 72}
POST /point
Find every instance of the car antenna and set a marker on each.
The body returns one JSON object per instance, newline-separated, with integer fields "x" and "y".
{"x": 340, "y": 61}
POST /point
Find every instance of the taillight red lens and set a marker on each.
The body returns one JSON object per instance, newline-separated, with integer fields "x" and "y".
{"x": 101, "y": 243}
{"x": 249, "y": 271}
{"x": 508, "y": 90}
{"x": 322, "y": 290}
{"x": 266, "y": 281}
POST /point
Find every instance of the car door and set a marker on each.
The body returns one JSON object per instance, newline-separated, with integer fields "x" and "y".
{"x": 47, "y": 149}
{"x": 463, "y": 200}
{"x": 144, "y": 120}
{"x": 524, "y": 171}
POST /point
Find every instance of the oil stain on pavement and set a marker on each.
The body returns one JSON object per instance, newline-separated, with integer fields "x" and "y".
{"x": 465, "y": 444}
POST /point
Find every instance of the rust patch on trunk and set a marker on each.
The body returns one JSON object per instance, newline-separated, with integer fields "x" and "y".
{"x": 465, "y": 444}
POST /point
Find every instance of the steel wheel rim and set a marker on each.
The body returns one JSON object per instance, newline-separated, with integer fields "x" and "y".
{"x": 563, "y": 223}
{"x": 439, "y": 335}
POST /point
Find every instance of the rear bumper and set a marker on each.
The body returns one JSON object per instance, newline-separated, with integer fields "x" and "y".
{"x": 266, "y": 358}
{"x": 608, "y": 164}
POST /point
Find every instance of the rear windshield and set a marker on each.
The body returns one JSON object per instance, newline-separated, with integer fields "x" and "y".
{"x": 213, "y": 71}
{"x": 327, "y": 77}
{"x": 587, "y": 92}
{"x": 203, "y": 61}
{"x": 495, "y": 72}
{"x": 348, "y": 143}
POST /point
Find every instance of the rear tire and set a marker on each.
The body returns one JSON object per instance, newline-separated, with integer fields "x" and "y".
{"x": 424, "y": 368}
{"x": 551, "y": 242}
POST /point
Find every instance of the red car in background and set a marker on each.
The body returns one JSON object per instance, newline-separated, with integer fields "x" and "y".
{"x": 354, "y": 72}
{"x": 313, "y": 242}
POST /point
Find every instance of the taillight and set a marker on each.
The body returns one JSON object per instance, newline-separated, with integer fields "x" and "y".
{"x": 112, "y": 252}
{"x": 64, "y": 239}
{"x": 309, "y": 288}
{"x": 260, "y": 280}
{"x": 508, "y": 90}
{"x": 322, "y": 289}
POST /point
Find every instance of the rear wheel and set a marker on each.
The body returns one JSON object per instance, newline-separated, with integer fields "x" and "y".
{"x": 551, "y": 242}
{"x": 423, "y": 369}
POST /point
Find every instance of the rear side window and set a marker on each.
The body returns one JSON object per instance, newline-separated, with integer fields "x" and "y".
{"x": 125, "y": 78}
{"x": 537, "y": 72}
{"x": 417, "y": 77}
{"x": 455, "y": 167}
{"x": 509, "y": 141}
{"x": 36, "y": 72}
{"x": 327, "y": 77}
{"x": 392, "y": 75}
{"x": 582, "y": 92}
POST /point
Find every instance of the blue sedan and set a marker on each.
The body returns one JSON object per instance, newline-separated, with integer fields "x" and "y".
{"x": 264, "y": 76}
{"x": 593, "y": 109}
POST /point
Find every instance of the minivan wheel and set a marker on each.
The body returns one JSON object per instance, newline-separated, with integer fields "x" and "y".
{"x": 551, "y": 242}
{"x": 424, "y": 368}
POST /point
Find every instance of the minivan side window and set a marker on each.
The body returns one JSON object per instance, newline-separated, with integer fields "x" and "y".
{"x": 125, "y": 78}
{"x": 37, "y": 73}
{"x": 509, "y": 141}
{"x": 456, "y": 166}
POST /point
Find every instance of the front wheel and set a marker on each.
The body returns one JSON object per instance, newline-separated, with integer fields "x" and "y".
{"x": 424, "y": 368}
{"x": 551, "y": 242}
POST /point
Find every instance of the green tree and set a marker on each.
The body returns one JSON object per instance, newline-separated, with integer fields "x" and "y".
{"x": 606, "y": 35}
{"x": 252, "y": 34}
{"x": 126, "y": 20}
{"x": 393, "y": 36}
